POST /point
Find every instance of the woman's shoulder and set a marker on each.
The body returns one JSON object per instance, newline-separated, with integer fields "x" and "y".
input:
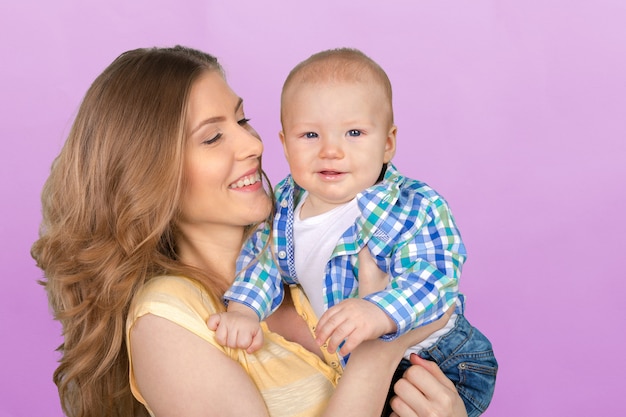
{"x": 178, "y": 299}
{"x": 170, "y": 288}
{"x": 169, "y": 284}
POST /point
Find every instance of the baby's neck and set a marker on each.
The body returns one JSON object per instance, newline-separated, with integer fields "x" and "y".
{"x": 310, "y": 209}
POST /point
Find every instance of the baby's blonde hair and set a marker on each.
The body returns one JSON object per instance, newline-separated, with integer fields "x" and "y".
{"x": 337, "y": 65}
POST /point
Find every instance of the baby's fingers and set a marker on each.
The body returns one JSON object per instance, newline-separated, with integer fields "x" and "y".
{"x": 222, "y": 334}
{"x": 214, "y": 321}
{"x": 327, "y": 325}
{"x": 342, "y": 334}
{"x": 351, "y": 341}
{"x": 257, "y": 342}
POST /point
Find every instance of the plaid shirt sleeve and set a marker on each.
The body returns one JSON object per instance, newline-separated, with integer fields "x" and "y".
{"x": 421, "y": 248}
{"x": 258, "y": 283}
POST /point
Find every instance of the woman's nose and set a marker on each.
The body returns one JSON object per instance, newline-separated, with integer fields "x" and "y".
{"x": 250, "y": 145}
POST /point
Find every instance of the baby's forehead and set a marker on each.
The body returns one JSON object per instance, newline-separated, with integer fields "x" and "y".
{"x": 363, "y": 90}
{"x": 355, "y": 102}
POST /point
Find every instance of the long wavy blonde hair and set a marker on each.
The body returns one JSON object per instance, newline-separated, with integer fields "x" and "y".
{"x": 109, "y": 219}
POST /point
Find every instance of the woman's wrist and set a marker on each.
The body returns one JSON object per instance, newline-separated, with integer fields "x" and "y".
{"x": 356, "y": 395}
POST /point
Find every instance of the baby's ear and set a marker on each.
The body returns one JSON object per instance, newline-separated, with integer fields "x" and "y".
{"x": 281, "y": 136}
{"x": 390, "y": 144}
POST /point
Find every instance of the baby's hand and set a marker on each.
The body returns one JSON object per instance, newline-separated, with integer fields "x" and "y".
{"x": 237, "y": 329}
{"x": 353, "y": 321}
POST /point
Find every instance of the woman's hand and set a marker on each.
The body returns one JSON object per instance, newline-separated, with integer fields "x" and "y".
{"x": 371, "y": 278}
{"x": 424, "y": 391}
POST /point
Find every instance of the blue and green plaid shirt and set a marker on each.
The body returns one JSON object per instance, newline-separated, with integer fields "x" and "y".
{"x": 407, "y": 227}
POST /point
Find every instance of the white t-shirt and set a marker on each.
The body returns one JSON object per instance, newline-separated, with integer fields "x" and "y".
{"x": 315, "y": 239}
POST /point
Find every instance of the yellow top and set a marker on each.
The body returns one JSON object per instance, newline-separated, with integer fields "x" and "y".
{"x": 292, "y": 381}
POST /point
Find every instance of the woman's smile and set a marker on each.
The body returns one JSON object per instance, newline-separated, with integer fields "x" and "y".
{"x": 249, "y": 182}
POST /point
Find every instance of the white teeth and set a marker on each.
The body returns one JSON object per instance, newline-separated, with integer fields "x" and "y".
{"x": 249, "y": 180}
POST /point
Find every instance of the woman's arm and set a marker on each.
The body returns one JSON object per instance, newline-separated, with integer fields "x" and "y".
{"x": 365, "y": 382}
{"x": 180, "y": 374}
{"x": 366, "y": 379}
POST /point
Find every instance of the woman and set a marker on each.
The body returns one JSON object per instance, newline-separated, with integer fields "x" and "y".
{"x": 145, "y": 211}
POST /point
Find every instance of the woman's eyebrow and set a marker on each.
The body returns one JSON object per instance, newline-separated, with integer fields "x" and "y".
{"x": 206, "y": 122}
{"x": 216, "y": 118}
{"x": 239, "y": 104}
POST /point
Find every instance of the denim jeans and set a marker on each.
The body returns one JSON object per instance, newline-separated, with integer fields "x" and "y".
{"x": 466, "y": 357}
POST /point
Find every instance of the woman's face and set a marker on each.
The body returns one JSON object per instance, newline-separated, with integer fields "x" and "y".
{"x": 223, "y": 186}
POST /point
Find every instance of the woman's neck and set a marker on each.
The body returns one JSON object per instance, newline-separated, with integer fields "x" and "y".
{"x": 211, "y": 249}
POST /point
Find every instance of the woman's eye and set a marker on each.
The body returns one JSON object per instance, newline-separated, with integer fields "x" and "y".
{"x": 213, "y": 139}
{"x": 354, "y": 133}
{"x": 243, "y": 122}
{"x": 310, "y": 135}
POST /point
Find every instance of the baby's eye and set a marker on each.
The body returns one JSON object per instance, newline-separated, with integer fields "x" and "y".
{"x": 310, "y": 135}
{"x": 354, "y": 133}
{"x": 243, "y": 122}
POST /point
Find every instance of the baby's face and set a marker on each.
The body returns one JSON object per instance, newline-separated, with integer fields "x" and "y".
{"x": 336, "y": 138}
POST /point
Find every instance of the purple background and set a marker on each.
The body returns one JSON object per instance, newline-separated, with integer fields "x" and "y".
{"x": 513, "y": 110}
